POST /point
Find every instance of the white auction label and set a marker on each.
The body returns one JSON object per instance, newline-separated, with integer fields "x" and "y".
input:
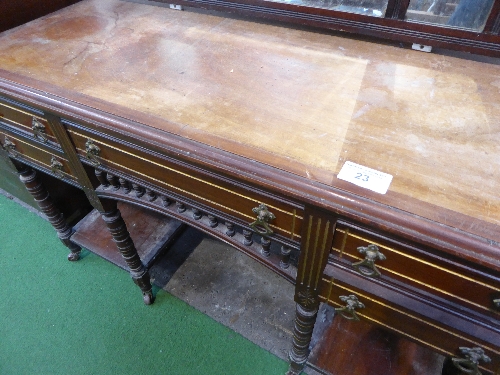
{"x": 365, "y": 177}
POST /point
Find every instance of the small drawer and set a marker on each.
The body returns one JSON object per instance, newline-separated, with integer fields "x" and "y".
{"x": 228, "y": 197}
{"x": 26, "y": 151}
{"x": 423, "y": 269}
{"x": 27, "y": 120}
{"x": 417, "y": 319}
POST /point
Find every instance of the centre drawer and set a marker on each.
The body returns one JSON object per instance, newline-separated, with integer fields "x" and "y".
{"x": 423, "y": 269}
{"x": 211, "y": 190}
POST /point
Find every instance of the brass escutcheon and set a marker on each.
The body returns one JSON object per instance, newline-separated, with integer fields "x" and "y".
{"x": 348, "y": 311}
{"x": 92, "y": 152}
{"x": 470, "y": 364}
{"x": 10, "y": 147}
{"x": 39, "y": 130}
{"x": 367, "y": 267}
{"x": 261, "y": 223}
{"x": 56, "y": 167}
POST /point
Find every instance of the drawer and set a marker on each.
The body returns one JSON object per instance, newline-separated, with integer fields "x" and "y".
{"x": 223, "y": 195}
{"x": 36, "y": 156}
{"x": 421, "y": 321}
{"x": 423, "y": 269}
{"x": 27, "y": 120}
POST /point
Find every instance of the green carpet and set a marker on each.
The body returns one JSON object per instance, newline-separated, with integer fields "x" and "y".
{"x": 87, "y": 317}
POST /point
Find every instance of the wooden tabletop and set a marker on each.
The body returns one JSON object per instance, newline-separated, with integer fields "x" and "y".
{"x": 300, "y": 101}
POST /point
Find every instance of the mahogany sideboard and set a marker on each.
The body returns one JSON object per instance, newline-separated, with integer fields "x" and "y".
{"x": 377, "y": 166}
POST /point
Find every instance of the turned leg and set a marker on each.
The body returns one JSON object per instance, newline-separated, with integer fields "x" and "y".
{"x": 121, "y": 237}
{"x": 29, "y": 178}
{"x": 305, "y": 317}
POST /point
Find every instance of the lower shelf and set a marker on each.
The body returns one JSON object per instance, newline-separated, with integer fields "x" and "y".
{"x": 151, "y": 232}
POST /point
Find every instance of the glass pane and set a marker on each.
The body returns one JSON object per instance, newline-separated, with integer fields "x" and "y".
{"x": 470, "y": 14}
{"x": 367, "y": 7}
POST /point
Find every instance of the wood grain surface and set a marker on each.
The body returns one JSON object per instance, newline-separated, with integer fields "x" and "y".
{"x": 299, "y": 101}
{"x": 359, "y": 348}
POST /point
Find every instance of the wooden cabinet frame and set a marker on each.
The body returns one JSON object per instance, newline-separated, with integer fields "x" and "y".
{"x": 392, "y": 25}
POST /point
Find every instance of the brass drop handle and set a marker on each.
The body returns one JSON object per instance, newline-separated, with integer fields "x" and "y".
{"x": 470, "y": 363}
{"x": 39, "y": 131}
{"x": 92, "y": 152}
{"x": 10, "y": 147}
{"x": 496, "y": 303}
{"x": 261, "y": 223}
{"x": 56, "y": 167}
{"x": 367, "y": 267}
{"x": 348, "y": 311}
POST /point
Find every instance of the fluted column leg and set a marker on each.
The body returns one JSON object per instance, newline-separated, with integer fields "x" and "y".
{"x": 118, "y": 229}
{"x": 302, "y": 334}
{"x": 29, "y": 178}
{"x": 317, "y": 235}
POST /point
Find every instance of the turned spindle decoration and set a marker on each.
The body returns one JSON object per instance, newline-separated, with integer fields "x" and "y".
{"x": 248, "y": 237}
{"x": 180, "y": 207}
{"x": 212, "y": 221}
{"x": 285, "y": 257}
{"x": 230, "y": 229}
{"x": 165, "y": 201}
{"x": 125, "y": 185}
{"x": 196, "y": 214}
{"x": 101, "y": 177}
{"x": 151, "y": 195}
{"x": 113, "y": 181}
{"x": 266, "y": 244}
{"x": 139, "y": 191}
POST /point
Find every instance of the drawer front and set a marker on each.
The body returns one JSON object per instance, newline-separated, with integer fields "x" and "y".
{"x": 25, "y": 150}
{"x": 218, "y": 194}
{"x": 27, "y": 120}
{"x": 424, "y": 323}
{"x": 421, "y": 269}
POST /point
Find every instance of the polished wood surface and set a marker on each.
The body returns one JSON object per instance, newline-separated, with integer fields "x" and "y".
{"x": 422, "y": 318}
{"x": 205, "y": 119}
{"x": 359, "y": 348}
{"x": 299, "y": 101}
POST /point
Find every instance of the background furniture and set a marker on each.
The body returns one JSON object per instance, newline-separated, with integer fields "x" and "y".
{"x": 16, "y": 13}
{"x": 465, "y": 25}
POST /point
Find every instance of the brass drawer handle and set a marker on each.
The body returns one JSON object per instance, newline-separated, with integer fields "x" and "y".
{"x": 39, "y": 131}
{"x": 92, "y": 152}
{"x": 56, "y": 167}
{"x": 496, "y": 303}
{"x": 367, "y": 267}
{"x": 469, "y": 364}
{"x": 261, "y": 223}
{"x": 10, "y": 147}
{"x": 348, "y": 311}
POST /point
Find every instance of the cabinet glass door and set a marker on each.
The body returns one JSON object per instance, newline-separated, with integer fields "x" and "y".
{"x": 374, "y": 8}
{"x": 469, "y": 14}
